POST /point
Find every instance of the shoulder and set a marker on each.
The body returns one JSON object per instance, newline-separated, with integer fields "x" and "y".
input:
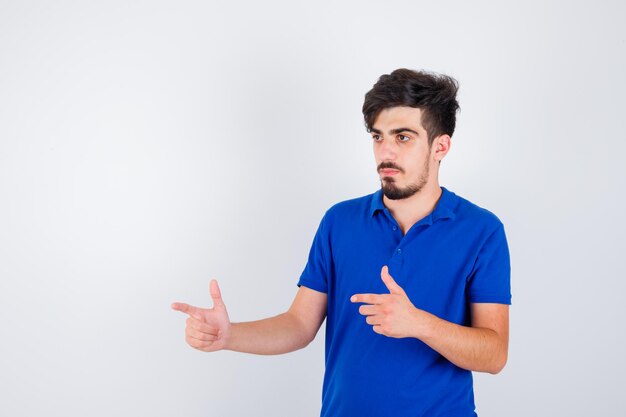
{"x": 469, "y": 212}
{"x": 350, "y": 209}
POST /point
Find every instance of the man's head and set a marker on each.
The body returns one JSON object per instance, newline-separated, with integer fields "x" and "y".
{"x": 411, "y": 116}
{"x": 434, "y": 94}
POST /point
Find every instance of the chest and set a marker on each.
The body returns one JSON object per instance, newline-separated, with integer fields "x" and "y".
{"x": 430, "y": 263}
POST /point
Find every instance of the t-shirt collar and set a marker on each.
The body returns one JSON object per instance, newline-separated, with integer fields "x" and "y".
{"x": 443, "y": 210}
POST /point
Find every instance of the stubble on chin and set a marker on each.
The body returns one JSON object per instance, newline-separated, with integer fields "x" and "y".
{"x": 393, "y": 192}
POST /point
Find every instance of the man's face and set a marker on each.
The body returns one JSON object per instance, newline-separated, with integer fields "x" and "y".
{"x": 401, "y": 151}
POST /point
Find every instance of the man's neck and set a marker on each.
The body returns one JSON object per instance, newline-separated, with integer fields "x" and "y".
{"x": 409, "y": 211}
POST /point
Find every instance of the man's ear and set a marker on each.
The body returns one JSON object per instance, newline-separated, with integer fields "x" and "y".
{"x": 441, "y": 147}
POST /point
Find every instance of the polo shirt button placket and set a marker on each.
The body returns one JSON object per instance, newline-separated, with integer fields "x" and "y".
{"x": 396, "y": 259}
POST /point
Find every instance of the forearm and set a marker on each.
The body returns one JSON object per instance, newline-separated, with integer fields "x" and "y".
{"x": 275, "y": 335}
{"x": 471, "y": 348}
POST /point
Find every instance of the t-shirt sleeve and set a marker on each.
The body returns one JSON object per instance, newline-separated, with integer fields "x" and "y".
{"x": 318, "y": 267}
{"x": 490, "y": 280}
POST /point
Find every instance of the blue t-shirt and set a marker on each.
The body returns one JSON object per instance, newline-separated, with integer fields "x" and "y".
{"x": 454, "y": 256}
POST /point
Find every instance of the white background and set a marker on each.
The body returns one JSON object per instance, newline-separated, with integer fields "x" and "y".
{"x": 147, "y": 147}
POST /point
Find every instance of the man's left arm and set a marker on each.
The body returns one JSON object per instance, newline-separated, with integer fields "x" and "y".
{"x": 482, "y": 347}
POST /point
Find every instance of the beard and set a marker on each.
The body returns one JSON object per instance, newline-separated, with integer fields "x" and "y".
{"x": 393, "y": 192}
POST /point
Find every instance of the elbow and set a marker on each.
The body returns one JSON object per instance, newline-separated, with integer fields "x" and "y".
{"x": 302, "y": 341}
{"x": 498, "y": 365}
{"x": 305, "y": 343}
{"x": 308, "y": 338}
{"x": 304, "y": 335}
{"x": 499, "y": 358}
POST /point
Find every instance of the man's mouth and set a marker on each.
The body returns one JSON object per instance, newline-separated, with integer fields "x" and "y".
{"x": 389, "y": 171}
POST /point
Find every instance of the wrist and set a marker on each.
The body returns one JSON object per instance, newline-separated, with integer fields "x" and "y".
{"x": 227, "y": 337}
{"x": 424, "y": 323}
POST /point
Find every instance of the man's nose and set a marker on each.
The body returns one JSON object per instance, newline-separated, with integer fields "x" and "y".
{"x": 388, "y": 150}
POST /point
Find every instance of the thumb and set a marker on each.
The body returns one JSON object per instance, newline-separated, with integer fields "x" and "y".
{"x": 390, "y": 283}
{"x": 216, "y": 294}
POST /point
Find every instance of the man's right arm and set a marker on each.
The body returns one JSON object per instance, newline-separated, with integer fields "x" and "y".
{"x": 211, "y": 330}
{"x": 286, "y": 332}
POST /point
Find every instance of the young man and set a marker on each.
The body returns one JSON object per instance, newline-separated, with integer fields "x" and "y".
{"x": 413, "y": 280}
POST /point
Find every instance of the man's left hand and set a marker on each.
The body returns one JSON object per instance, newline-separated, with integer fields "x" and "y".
{"x": 392, "y": 314}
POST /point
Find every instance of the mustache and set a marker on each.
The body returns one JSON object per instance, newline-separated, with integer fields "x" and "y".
{"x": 389, "y": 165}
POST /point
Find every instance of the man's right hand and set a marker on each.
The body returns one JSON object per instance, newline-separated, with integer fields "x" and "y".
{"x": 208, "y": 329}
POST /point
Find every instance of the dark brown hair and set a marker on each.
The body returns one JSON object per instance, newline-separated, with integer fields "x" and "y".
{"x": 434, "y": 94}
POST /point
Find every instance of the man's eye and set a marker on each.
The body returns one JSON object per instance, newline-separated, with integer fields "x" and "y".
{"x": 403, "y": 138}
{"x": 375, "y": 137}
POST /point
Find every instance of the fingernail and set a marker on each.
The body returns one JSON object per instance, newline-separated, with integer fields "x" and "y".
{"x": 353, "y": 298}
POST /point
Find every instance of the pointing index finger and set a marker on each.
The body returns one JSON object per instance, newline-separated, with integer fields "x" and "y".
{"x": 367, "y": 298}
{"x": 185, "y": 308}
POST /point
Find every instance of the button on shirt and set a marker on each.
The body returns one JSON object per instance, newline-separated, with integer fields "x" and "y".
{"x": 454, "y": 256}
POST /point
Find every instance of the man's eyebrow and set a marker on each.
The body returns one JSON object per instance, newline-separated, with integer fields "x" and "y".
{"x": 396, "y": 131}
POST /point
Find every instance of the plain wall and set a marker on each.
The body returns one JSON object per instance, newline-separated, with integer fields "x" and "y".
{"x": 147, "y": 147}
